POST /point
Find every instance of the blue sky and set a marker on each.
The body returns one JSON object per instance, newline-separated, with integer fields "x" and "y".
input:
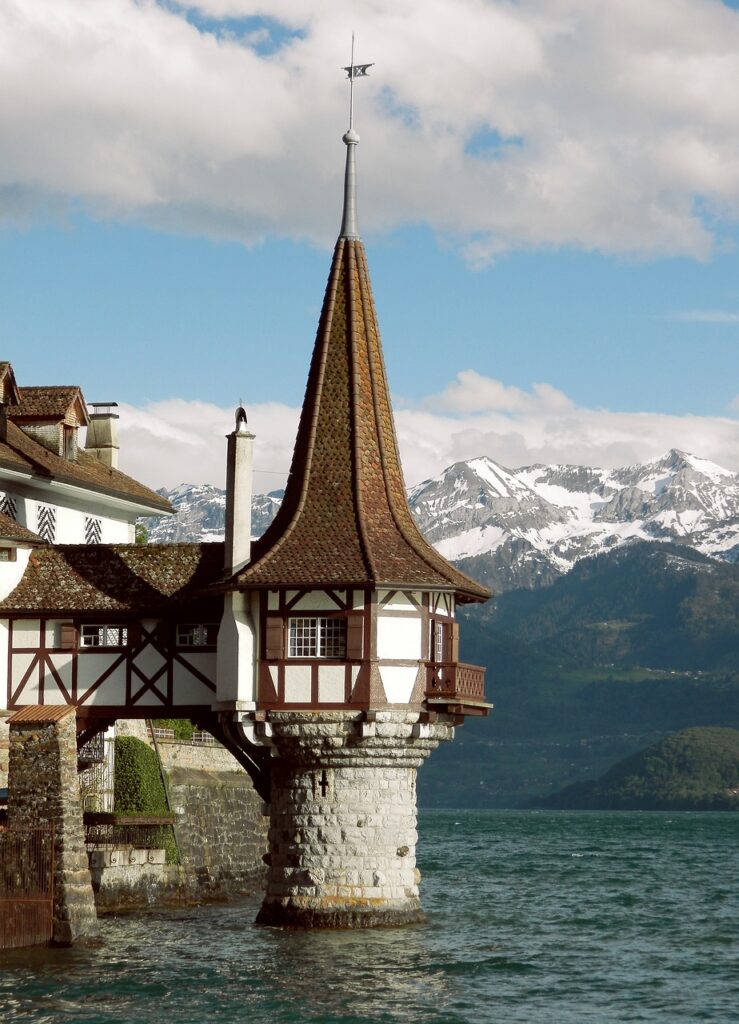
{"x": 170, "y": 193}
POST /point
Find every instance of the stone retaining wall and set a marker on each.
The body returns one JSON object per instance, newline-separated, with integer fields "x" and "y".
{"x": 221, "y": 830}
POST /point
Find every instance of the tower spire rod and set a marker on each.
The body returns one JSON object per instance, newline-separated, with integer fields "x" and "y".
{"x": 349, "y": 227}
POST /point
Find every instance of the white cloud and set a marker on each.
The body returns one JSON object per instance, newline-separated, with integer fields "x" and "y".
{"x": 167, "y": 443}
{"x": 176, "y": 441}
{"x": 626, "y": 132}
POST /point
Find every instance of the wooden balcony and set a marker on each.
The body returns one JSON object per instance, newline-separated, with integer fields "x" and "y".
{"x": 454, "y": 682}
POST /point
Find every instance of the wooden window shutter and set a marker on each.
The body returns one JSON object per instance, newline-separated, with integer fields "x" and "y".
{"x": 68, "y": 637}
{"x": 274, "y": 640}
{"x": 354, "y": 637}
{"x": 454, "y": 652}
{"x": 134, "y": 634}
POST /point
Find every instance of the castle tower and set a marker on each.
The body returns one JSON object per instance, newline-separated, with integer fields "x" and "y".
{"x": 356, "y": 670}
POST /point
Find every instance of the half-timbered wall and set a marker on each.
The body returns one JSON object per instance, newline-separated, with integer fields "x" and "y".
{"x": 393, "y": 629}
{"x": 48, "y": 664}
{"x": 312, "y": 681}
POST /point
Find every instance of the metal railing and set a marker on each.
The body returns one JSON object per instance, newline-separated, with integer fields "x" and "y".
{"x": 150, "y": 832}
{"x": 26, "y": 886}
{"x": 455, "y": 681}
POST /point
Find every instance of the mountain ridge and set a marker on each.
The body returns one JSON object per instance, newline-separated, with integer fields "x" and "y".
{"x": 526, "y": 527}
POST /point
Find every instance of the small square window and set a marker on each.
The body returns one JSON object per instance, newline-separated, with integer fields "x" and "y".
{"x": 104, "y": 636}
{"x": 317, "y": 638}
{"x": 197, "y": 635}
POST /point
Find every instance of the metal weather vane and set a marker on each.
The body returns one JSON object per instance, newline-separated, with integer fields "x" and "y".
{"x": 354, "y": 71}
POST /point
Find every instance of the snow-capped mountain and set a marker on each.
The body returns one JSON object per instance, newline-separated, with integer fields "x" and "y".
{"x": 525, "y": 527}
{"x": 201, "y": 514}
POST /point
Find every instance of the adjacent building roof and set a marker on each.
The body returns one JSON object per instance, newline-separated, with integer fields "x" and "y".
{"x": 10, "y": 530}
{"x": 345, "y": 519}
{"x": 48, "y": 403}
{"x": 9, "y": 392}
{"x": 139, "y": 579}
{"x": 20, "y": 452}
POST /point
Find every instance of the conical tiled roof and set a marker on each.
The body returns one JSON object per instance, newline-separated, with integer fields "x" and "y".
{"x": 345, "y": 519}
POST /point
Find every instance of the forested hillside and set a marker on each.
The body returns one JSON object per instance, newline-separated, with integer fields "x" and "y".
{"x": 628, "y": 647}
{"x": 696, "y": 769}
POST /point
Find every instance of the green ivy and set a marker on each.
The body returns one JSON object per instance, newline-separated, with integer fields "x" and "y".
{"x": 138, "y": 787}
{"x": 183, "y": 727}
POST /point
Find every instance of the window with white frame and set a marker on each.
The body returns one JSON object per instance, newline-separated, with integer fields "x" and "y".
{"x": 197, "y": 634}
{"x": 317, "y": 638}
{"x": 104, "y": 636}
{"x": 439, "y": 641}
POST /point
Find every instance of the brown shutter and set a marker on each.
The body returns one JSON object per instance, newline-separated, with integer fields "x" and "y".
{"x": 354, "y": 636}
{"x": 275, "y": 637}
{"x": 454, "y": 652}
{"x": 68, "y": 637}
{"x": 134, "y": 634}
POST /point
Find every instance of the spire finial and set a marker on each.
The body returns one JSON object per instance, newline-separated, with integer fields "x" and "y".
{"x": 349, "y": 228}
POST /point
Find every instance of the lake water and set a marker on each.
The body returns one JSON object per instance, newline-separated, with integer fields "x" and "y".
{"x": 534, "y": 917}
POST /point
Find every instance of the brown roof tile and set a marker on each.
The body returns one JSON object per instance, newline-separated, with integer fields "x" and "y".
{"x": 119, "y": 578}
{"x": 47, "y": 402}
{"x": 10, "y": 530}
{"x": 19, "y": 451}
{"x": 41, "y": 714}
{"x": 345, "y": 518}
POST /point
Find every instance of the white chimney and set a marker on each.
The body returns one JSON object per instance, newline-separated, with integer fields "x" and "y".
{"x": 240, "y": 456}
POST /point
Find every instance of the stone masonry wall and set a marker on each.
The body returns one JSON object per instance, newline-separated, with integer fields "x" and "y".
{"x": 221, "y": 830}
{"x": 44, "y": 790}
{"x": 342, "y": 839}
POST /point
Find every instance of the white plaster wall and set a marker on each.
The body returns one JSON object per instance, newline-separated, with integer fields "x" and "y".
{"x": 26, "y": 632}
{"x": 90, "y": 667}
{"x": 62, "y": 662}
{"x": 398, "y": 682}
{"x": 398, "y": 638}
{"x": 148, "y": 662}
{"x": 318, "y": 600}
{"x": 3, "y": 664}
{"x": 297, "y": 684}
{"x": 20, "y": 665}
{"x": 400, "y": 600}
{"x": 187, "y": 689}
{"x": 235, "y": 673}
{"x": 11, "y": 573}
{"x": 442, "y": 603}
{"x": 331, "y": 684}
{"x": 70, "y": 526}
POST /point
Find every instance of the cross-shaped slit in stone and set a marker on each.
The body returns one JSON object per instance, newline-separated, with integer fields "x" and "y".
{"x": 324, "y": 782}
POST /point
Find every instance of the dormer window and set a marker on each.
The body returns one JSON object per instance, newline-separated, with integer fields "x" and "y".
{"x": 69, "y": 442}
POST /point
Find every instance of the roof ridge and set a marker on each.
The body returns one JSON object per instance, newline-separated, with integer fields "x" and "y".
{"x": 359, "y": 501}
{"x": 324, "y": 329}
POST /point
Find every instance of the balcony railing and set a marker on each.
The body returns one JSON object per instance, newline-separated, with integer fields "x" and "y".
{"x": 454, "y": 681}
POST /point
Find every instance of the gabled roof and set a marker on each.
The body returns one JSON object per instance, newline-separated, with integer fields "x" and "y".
{"x": 8, "y": 386}
{"x": 345, "y": 519}
{"x": 136, "y": 579}
{"x": 21, "y": 452}
{"x": 11, "y": 530}
{"x": 48, "y": 403}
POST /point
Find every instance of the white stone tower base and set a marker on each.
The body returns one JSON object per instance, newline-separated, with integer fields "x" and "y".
{"x": 342, "y": 839}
